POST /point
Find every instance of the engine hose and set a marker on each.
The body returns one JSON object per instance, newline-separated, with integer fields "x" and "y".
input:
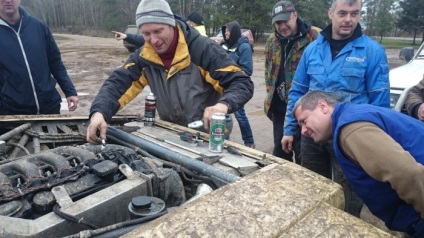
{"x": 71, "y": 218}
{"x": 184, "y": 175}
{"x": 91, "y": 233}
{"x": 185, "y": 171}
{"x": 19, "y": 146}
{"x": 15, "y": 131}
{"x": 81, "y": 153}
{"x": 119, "y": 232}
{"x": 195, "y": 175}
{"x": 135, "y": 148}
{"x": 24, "y": 139}
{"x": 220, "y": 177}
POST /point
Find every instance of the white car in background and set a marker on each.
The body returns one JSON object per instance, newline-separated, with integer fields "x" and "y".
{"x": 404, "y": 77}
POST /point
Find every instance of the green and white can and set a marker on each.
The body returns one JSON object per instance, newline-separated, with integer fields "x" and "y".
{"x": 217, "y": 133}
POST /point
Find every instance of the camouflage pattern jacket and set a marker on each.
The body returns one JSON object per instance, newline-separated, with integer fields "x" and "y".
{"x": 274, "y": 50}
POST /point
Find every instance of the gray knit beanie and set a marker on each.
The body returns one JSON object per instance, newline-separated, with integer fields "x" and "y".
{"x": 154, "y": 11}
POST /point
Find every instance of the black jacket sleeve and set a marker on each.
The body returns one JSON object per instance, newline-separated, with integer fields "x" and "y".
{"x": 137, "y": 40}
{"x": 237, "y": 85}
{"x": 107, "y": 100}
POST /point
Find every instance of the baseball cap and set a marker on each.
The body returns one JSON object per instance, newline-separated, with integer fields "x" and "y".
{"x": 196, "y": 18}
{"x": 282, "y": 11}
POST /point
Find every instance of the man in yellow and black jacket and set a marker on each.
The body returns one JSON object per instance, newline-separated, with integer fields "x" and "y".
{"x": 191, "y": 76}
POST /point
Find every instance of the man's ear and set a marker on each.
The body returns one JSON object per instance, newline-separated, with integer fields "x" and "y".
{"x": 322, "y": 105}
{"x": 330, "y": 13}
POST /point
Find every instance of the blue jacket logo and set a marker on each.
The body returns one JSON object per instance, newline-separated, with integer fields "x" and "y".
{"x": 355, "y": 59}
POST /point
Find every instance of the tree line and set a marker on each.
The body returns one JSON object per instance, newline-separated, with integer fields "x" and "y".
{"x": 380, "y": 17}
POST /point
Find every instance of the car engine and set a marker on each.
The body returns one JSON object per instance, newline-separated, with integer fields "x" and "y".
{"x": 54, "y": 184}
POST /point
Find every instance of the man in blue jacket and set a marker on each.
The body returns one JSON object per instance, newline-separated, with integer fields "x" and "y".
{"x": 30, "y": 65}
{"x": 380, "y": 152}
{"x": 344, "y": 61}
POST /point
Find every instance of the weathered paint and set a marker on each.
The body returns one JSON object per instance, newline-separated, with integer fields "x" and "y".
{"x": 280, "y": 200}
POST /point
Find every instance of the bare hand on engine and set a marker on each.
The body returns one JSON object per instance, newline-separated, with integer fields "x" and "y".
{"x": 96, "y": 130}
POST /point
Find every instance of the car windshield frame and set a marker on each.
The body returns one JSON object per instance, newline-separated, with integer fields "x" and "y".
{"x": 420, "y": 53}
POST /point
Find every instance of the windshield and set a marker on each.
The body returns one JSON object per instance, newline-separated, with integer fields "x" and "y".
{"x": 420, "y": 54}
{"x": 394, "y": 97}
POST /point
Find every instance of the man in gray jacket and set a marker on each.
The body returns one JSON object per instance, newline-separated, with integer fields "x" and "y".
{"x": 191, "y": 76}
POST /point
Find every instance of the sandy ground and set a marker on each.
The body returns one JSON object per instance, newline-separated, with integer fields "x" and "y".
{"x": 90, "y": 60}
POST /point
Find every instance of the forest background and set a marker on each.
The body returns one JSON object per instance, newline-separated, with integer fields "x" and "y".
{"x": 380, "y": 18}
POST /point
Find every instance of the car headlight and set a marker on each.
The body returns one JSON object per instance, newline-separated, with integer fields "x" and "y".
{"x": 393, "y": 100}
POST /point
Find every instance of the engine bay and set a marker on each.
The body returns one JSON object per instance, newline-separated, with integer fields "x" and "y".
{"x": 54, "y": 184}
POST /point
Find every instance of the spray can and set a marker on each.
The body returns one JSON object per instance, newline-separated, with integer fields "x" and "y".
{"x": 217, "y": 130}
{"x": 150, "y": 110}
